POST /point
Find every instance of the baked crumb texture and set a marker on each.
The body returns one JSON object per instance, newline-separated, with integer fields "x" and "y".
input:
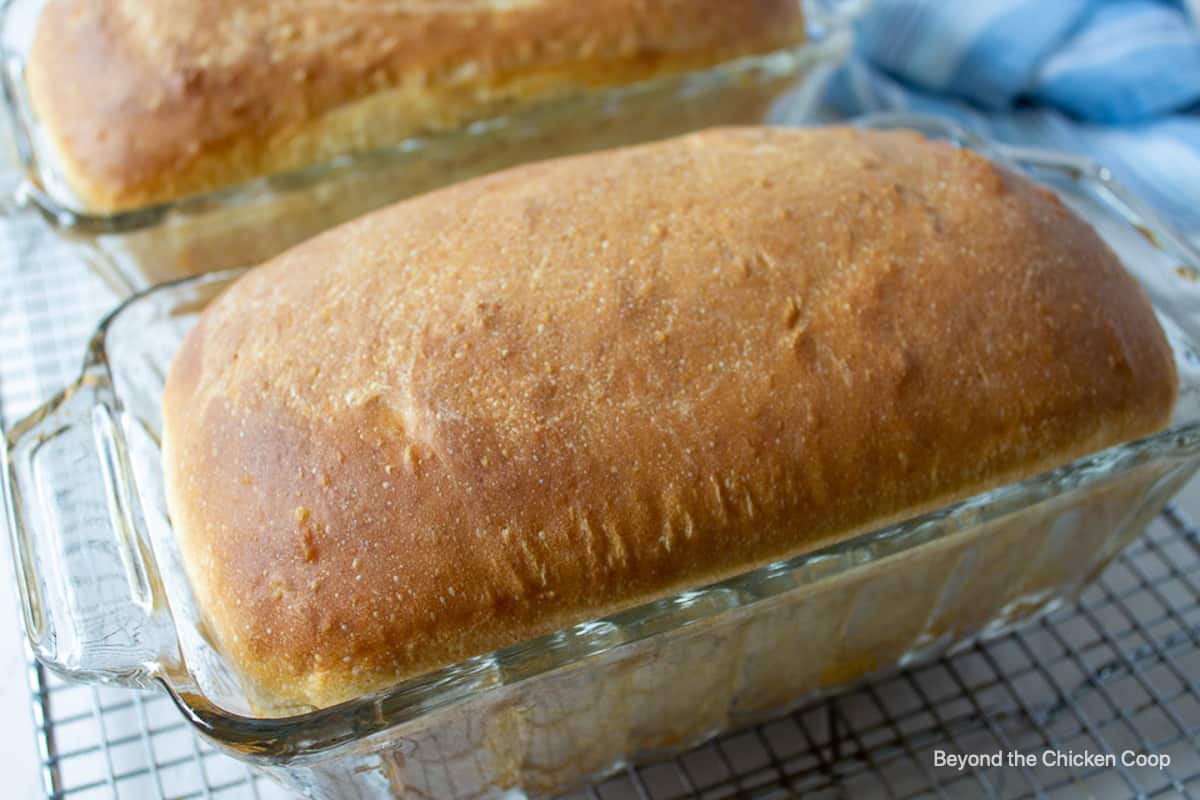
{"x": 555, "y": 392}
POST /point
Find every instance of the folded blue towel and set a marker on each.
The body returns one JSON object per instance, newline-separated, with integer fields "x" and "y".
{"x": 1116, "y": 80}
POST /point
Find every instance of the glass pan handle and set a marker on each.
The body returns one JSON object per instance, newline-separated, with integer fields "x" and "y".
{"x": 94, "y": 609}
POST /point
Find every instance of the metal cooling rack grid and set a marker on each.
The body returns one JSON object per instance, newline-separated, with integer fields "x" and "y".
{"x": 1117, "y": 671}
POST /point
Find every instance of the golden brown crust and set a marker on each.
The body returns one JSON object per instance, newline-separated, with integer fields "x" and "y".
{"x": 146, "y": 102}
{"x": 547, "y": 394}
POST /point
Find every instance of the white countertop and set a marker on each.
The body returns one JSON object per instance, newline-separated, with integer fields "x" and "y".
{"x": 19, "y": 760}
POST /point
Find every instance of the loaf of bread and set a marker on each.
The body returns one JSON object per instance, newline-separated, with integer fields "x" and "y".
{"x": 146, "y": 102}
{"x": 541, "y": 396}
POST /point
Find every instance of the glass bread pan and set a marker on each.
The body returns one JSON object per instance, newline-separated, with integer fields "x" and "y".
{"x": 106, "y": 601}
{"x": 247, "y": 223}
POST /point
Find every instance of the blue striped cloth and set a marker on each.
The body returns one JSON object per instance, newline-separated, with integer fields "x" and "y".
{"x": 1116, "y": 80}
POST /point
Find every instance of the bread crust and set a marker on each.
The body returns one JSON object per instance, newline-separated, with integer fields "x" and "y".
{"x": 541, "y": 396}
{"x": 147, "y": 102}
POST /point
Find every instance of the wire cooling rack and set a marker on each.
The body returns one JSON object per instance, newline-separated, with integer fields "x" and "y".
{"x": 1118, "y": 672}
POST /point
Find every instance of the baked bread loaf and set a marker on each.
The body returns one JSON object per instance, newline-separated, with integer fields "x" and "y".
{"x": 548, "y": 394}
{"x": 147, "y": 102}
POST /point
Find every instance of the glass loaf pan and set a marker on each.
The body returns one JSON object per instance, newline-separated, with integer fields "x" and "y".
{"x": 106, "y": 600}
{"x": 248, "y": 223}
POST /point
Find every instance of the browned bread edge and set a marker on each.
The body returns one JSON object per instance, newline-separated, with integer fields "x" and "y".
{"x": 147, "y": 102}
{"x": 527, "y": 400}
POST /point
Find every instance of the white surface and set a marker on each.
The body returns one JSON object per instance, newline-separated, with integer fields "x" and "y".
{"x": 18, "y": 749}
